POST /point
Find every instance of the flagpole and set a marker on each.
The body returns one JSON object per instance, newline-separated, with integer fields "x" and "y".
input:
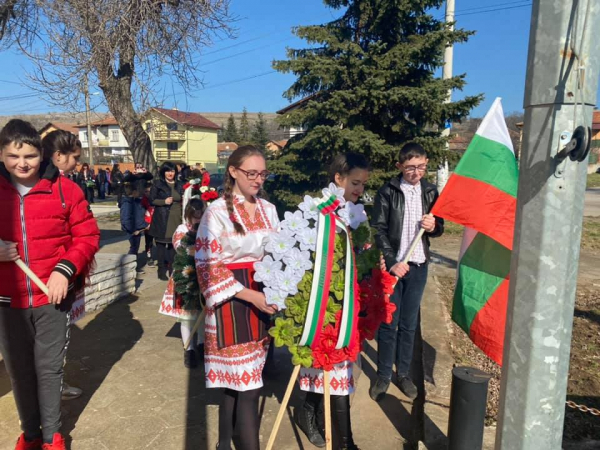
{"x": 559, "y": 99}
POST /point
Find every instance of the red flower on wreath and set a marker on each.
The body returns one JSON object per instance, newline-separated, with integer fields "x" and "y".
{"x": 375, "y": 305}
{"x": 325, "y": 356}
{"x": 209, "y": 196}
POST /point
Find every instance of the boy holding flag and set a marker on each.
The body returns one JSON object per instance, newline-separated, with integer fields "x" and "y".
{"x": 401, "y": 209}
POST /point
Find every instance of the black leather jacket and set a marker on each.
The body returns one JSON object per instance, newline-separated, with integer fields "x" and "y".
{"x": 388, "y": 215}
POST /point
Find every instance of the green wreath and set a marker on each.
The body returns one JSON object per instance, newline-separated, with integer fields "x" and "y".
{"x": 184, "y": 274}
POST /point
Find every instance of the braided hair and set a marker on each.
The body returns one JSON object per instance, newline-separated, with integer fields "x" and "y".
{"x": 236, "y": 159}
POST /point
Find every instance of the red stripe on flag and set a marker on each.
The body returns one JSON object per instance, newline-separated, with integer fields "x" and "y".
{"x": 480, "y": 206}
{"x": 487, "y": 328}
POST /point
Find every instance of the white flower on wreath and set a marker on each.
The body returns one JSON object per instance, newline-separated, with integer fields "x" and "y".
{"x": 309, "y": 207}
{"x": 203, "y": 189}
{"x": 280, "y": 243}
{"x": 298, "y": 260}
{"x": 287, "y": 281}
{"x": 332, "y": 189}
{"x": 294, "y": 221}
{"x": 353, "y": 214}
{"x": 307, "y": 238}
{"x": 266, "y": 269}
{"x": 275, "y": 297}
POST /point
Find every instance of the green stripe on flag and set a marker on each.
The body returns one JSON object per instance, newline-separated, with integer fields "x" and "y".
{"x": 491, "y": 162}
{"x": 483, "y": 267}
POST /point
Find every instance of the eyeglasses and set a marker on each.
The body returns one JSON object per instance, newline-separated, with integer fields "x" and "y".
{"x": 410, "y": 169}
{"x": 253, "y": 174}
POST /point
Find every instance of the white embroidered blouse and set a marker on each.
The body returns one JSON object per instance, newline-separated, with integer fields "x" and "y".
{"x": 217, "y": 245}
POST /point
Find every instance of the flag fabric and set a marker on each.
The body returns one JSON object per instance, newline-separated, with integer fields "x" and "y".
{"x": 481, "y": 195}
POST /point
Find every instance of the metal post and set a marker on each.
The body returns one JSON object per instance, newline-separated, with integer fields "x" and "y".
{"x": 561, "y": 84}
{"x": 89, "y": 124}
{"x": 468, "y": 399}
{"x": 448, "y": 59}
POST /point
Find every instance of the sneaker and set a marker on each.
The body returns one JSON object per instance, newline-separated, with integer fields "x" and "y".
{"x": 150, "y": 263}
{"x": 408, "y": 388}
{"x": 378, "y": 389}
{"x": 70, "y": 392}
{"x": 58, "y": 443}
{"x": 24, "y": 444}
{"x": 189, "y": 359}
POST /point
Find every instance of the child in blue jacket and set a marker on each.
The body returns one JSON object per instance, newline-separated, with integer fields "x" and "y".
{"x": 132, "y": 212}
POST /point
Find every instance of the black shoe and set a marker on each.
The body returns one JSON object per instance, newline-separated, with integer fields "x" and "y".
{"x": 348, "y": 446}
{"x": 306, "y": 420}
{"x": 378, "y": 389}
{"x": 189, "y": 359}
{"x": 407, "y": 387}
{"x": 162, "y": 275}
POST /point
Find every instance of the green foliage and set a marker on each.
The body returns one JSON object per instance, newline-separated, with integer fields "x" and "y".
{"x": 244, "y": 130}
{"x": 369, "y": 79}
{"x": 284, "y": 332}
{"x": 184, "y": 274}
{"x": 260, "y": 137}
{"x": 301, "y": 355}
{"x": 230, "y": 134}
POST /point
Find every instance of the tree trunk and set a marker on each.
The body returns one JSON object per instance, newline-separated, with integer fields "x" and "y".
{"x": 117, "y": 92}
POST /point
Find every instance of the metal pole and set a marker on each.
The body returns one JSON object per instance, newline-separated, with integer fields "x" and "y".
{"x": 448, "y": 59}
{"x": 468, "y": 399}
{"x": 89, "y": 124}
{"x": 561, "y": 84}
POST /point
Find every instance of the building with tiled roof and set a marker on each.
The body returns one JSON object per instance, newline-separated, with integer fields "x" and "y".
{"x": 182, "y": 136}
{"x": 53, "y": 126}
{"x": 108, "y": 138}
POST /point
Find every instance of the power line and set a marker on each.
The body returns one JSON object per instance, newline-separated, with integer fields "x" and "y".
{"x": 492, "y": 10}
{"x": 492, "y": 6}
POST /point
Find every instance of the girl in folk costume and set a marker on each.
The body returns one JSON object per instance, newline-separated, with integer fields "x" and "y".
{"x": 231, "y": 237}
{"x": 184, "y": 304}
{"x": 349, "y": 171}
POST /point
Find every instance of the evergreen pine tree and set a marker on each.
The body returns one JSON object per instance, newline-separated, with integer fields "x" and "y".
{"x": 370, "y": 84}
{"x": 231, "y": 132}
{"x": 244, "y": 132}
{"x": 260, "y": 136}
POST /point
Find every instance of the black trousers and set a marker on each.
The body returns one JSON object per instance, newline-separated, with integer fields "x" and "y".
{"x": 33, "y": 343}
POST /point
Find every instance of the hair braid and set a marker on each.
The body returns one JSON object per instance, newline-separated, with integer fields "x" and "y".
{"x": 228, "y": 196}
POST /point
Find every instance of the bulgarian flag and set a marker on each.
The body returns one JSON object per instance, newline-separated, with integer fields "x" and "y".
{"x": 481, "y": 195}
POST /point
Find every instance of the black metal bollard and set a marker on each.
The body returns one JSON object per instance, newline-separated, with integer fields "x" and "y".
{"x": 468, "y": 398}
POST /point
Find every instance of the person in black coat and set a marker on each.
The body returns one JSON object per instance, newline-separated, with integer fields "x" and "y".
{"x": 166, "y": 196}
{"x": 101, "y": 183}
{"x": 116, "y": 181}
{"x": 85, "y": 180}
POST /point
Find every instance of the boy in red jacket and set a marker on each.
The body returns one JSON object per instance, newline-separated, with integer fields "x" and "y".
{"x": 46, "y": 222}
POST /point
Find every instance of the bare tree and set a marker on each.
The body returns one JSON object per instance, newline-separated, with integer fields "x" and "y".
{"x": 122, "y": 46}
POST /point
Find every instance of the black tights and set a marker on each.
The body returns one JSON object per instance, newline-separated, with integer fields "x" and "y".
{"x": 340, "y": 412}
{"x": 165, "y": 253}
{"x": 238, "y": 413}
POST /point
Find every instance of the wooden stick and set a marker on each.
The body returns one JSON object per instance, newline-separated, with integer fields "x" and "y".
{"x": 21, "y": 265}
{"x": 199, "y": 321}
{"x": 414, "y": 244}
{"x": 283, "y": 407}
{"x": 327, "y": 400}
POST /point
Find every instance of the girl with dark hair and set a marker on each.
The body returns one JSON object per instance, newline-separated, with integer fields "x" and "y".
{"x": 230, "y": 240}
{"x": 166, "y": 195}
{"x": 85, "y": 179}
{"x": 63, "y": 148}
{"x": 349, "y": 171}
{"x": 175, "y": 303}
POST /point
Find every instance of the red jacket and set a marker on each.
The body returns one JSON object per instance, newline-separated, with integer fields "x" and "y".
{"x": 54, "y": 229}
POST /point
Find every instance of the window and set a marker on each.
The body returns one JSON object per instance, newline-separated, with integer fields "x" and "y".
{"x": 114, "y": 135}
{"x": 172, "y": 146}
{"x": 85, "y": 136}
{"x": 149, "y": 127}
{"x": 172, "y": 126}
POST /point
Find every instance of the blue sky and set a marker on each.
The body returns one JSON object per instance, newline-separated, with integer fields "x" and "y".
{"x": 494, "y": 59}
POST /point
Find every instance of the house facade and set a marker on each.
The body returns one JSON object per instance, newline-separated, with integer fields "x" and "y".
{"x": 182, "y": 136}
{"x": 53, "y": 126}
{"x": 108, "y": 138}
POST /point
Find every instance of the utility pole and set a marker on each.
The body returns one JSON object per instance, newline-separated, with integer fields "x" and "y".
{"x": 448, "y": 59}
{"x": 89, "y": 123}
{"x": 561, "y": 84}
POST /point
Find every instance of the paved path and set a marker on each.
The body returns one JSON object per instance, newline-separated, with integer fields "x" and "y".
{"x": 592, "y": 202}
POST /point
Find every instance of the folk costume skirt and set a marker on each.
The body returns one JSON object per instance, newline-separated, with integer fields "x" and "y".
{"x": 236, "y": 339}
